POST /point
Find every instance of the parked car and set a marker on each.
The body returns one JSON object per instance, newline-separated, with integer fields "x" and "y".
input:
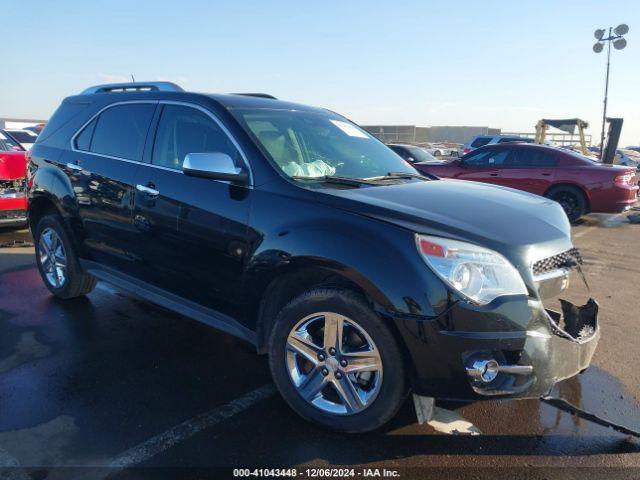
{"x": 627, "y": 157}
{"x": 13, "y": 201}
{"x": 580, "y": 184}
{"x": 26, "y": 137}
{"x": 411, "y": 153}
{"x": 8, "y": 143}
{"x": 482, "y": 140}
{"x": 439, "y": 150}
{"x": 36, "y": 128}
{"x": 294, "y": 229}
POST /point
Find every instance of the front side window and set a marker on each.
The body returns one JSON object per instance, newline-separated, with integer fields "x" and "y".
{"x": 121, "y": 130}
{"x": 318, "y": 144}
{"x": 488, "y": 158}
{"x": 184, "y": 130}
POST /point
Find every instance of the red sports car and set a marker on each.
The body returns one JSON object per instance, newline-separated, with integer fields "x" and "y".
{"x": 580, "y": 184}
{"x": 13, "y": 169}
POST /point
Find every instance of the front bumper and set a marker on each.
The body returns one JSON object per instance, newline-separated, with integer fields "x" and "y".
{"x": 551, "y": 347}
{"x": 13, "y": 209}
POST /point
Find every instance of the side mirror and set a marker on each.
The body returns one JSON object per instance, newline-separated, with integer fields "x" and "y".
{"x": 411, "y": 160}
{"x": 215, "y": 165}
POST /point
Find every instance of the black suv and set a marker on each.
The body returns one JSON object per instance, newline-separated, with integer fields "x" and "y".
{"x": 297, "y": 231}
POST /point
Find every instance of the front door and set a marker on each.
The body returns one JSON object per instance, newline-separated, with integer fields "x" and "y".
{"x": 195, "y": 228}
{"x": 101, "y": 168}
{"x": 484, "y": 166}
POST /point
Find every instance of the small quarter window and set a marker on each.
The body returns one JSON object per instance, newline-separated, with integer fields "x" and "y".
{"x": 83, "y": 141}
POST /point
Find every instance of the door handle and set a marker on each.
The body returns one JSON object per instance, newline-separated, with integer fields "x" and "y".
{"x": 546, "y": 174}
{"x": 148, "y": 190}
{"x": 74, "y": 166}
{"x": 493, "y": 174}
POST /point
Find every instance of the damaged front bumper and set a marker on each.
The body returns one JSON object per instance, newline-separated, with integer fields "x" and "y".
{"x": 558, "y": 345}
{"x": 515, "y": 347}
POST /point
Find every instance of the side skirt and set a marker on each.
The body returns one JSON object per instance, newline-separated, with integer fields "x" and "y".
{"x": 170, "y": 301}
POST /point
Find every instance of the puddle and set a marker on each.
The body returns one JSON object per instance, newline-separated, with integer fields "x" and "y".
{"x": 595, "y": 391}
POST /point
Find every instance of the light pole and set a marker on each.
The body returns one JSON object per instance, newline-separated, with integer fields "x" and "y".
{"x": 615, "y": 37}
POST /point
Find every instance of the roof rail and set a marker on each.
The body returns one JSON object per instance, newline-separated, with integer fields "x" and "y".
{"x": 260, "y": 95}
{"x": 133, "y": 87}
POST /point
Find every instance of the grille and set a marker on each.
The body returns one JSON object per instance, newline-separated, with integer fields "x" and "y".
{"x": 12, "y": 214}
{"x": 567, "y": 259}
{"x": 12, "y": 186}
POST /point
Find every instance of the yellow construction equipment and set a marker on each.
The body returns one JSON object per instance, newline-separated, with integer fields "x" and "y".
{"x": 568, "y": 125}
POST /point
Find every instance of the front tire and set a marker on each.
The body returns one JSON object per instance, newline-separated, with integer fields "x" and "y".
{"x": 57, "y": 260}
{"x": 571, "y": 199}
{"x": 335, "y": 362}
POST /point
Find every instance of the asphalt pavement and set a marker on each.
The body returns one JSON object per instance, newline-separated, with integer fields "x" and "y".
{"x": 113, "y": 386}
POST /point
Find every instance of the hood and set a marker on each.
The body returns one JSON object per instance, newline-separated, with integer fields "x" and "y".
{"x": 13, "y": 165}
{"x": 501, "y": 218}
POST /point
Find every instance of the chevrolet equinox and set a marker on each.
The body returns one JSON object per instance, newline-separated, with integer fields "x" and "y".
{"x": 294, "y": 229}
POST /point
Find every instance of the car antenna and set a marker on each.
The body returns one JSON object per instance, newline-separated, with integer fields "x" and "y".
{"x": 133, "y": 79}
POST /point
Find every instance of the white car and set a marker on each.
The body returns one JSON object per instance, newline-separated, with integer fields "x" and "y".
{"x": 26, "y": 137}
{"x": 438, "y": 150}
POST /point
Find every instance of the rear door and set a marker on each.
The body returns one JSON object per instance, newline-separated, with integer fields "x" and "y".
{"x": 194, "y": 229}
{"x": 529, "y": 169}
{"x": 101, "y": 167}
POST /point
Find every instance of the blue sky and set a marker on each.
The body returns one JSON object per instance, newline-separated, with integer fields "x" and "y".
{"x": 492, "y": 63}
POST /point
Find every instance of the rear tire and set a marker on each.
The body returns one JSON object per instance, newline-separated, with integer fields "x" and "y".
{"x": 571, "y": 199}
{"x": 58, "y": 262}
{"x": 318, "y": 381}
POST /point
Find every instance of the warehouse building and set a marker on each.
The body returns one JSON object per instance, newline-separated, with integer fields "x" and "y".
{"x": 414, "y": 134}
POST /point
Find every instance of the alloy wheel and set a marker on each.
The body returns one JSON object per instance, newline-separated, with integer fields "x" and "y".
{"x": 53, "y": 258}
{"x": 568, "y": 202}
{"x": 333, "y": 363}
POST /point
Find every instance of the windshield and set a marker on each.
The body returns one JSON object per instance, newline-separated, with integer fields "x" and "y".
{"x": 7, "y": 144}
{"x": 315, "y": 145}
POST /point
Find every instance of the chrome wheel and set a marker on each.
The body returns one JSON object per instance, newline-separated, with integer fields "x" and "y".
{"x": 333, "y": 363}
{"x": 53, "y": 258}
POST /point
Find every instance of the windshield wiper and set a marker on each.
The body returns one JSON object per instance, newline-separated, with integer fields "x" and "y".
{"x": 355, "y": 182}
{"x": 394, "y": 175}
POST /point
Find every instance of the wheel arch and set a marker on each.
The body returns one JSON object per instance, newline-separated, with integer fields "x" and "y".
{"x": 576, "y": 186}
{"x": 308, "y": 274}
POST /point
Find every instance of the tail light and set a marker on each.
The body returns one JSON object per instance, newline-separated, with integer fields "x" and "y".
{"x": 466, "y": 150}
{"x": 625, "y": 178}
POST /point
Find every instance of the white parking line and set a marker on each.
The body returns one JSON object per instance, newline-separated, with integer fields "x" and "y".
{"x": 189, "y": 428}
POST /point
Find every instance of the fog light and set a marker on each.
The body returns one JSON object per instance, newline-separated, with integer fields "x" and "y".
{"x": 484, "y": 370}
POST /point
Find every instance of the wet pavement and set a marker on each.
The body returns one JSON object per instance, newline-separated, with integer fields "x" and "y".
{"x": 112, "y": 381}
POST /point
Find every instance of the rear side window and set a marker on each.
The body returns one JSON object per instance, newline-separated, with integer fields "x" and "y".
{"x": 183, "y": 130}
{"x": 534, "y": 158}
{"x": 480, "y": 141}
{"x": 83, "y": 141}
{"x": 120, "y": 131}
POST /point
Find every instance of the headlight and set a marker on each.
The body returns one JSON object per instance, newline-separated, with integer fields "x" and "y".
{"x": 479, "y": 274}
